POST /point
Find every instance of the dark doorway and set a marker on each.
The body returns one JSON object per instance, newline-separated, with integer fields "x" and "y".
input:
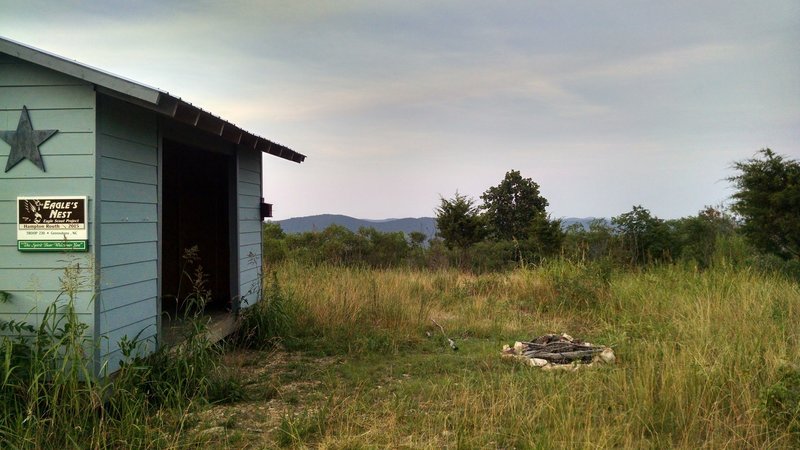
{"x": 195, "y": 212}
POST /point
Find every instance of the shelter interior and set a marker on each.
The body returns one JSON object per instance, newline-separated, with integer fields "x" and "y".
{"x": 199, "y": 213}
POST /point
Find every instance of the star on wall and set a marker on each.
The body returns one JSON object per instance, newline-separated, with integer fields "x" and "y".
{"x": 25, "y": 142}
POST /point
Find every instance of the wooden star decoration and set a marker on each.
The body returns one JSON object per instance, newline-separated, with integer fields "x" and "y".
{"x": 25, "y": 142}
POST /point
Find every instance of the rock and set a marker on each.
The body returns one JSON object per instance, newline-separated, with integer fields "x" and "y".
{"x": 538, "y": 362}
{"x": 607, "y": 356}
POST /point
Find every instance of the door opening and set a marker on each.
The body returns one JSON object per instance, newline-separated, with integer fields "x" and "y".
{"x": 195, "y": 217}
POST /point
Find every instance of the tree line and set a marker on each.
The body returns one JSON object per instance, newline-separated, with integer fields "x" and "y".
{"x": 511, "y": 227}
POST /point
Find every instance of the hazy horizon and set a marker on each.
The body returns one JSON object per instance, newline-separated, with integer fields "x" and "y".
{"x": 407, "y": 217}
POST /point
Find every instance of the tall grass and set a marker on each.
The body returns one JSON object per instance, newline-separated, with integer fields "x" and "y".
{"x": 51, "y": 397}
{"x": 698, "y": 354}
{"x": 357, "y": 309}
{"x": 705, "y": 359}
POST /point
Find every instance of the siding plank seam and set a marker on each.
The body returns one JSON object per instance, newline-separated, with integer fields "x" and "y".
{"x": 128, "y": 263}
{"x": 108, "y": 310}
{"x": 126, "y": 181}
{"x": 116, "y": 344}
{"x": 131, "y": 141}
{"x": 115, "y": 158}
{"x": 107, "y": 287}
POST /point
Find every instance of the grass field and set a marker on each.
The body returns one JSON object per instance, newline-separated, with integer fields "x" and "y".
{"x": 697, "y": 355}
{"x": 336, "y": 357}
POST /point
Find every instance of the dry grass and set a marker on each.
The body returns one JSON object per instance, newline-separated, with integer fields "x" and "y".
{"x": 696, "y": 350}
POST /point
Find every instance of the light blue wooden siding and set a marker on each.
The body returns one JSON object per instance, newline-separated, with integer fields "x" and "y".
{"x": 54, "y": 101}
{"x": 127, "y": 147}
{"x": 248, "y": 188}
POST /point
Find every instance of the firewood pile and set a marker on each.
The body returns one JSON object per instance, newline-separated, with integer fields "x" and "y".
{"x": 553, "y": 351}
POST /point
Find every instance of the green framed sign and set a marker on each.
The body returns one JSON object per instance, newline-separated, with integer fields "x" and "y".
{"x": 51, "y": 246}
{"x": 52, "y": 224}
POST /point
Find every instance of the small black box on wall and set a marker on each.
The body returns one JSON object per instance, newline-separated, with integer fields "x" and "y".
{"x": 266, "y": 209}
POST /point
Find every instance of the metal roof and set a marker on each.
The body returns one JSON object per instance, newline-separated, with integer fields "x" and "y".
{"x": 148, "y": 97}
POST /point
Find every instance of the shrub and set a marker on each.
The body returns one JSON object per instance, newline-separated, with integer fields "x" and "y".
{"x": 582, "y": 286}
{"x": 770, "y": 264}
{"x": 782, "y": 402}
{"x": 225, "y": 387}
{"x": 174, "y": 376}
{"x": 492, "y": 256}
{"x": 274, "y": 251}
{"x": 267, "y": 322}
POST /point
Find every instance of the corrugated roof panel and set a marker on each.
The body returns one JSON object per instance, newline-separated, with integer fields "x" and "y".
{"x": 147, "y": 97}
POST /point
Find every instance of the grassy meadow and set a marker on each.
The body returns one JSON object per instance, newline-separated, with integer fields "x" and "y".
{"x": 343, "y": 357}
{"x": 697, "y": 353}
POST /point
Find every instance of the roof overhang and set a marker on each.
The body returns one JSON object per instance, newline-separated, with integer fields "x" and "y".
{"x": 148, "y": 97}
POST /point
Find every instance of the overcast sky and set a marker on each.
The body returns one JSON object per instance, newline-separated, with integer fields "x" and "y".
{"x": 605, "y": 104}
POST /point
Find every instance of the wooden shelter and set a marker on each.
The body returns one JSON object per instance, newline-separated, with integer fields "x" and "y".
{"x": 119, "y": 179}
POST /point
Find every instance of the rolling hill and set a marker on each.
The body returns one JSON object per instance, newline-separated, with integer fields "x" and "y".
{"x": 426, "y": 225}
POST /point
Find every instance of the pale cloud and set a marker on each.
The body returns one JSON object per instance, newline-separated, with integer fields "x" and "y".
{"x": 437, "y": 86}
{"x": 606, "y": 105}
{"x": 670, "y": 61}
{"x": 436, "y": 83}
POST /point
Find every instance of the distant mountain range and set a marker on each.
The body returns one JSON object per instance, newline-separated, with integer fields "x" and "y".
{"x": 426, "y": 225}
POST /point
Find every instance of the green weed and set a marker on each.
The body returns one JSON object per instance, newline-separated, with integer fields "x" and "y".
{"x": 270, "y": 321}
{"x": 782, "y": 402}
{"x": 51, "y": 397}
{"x": 300, "y": 429}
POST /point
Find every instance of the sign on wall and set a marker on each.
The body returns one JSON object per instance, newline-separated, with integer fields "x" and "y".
{"x": 53, "y": 224}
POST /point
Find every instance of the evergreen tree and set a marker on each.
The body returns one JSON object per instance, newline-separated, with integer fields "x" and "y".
{"x": 459, "y": 222}
{"x": 768, "y": 200}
